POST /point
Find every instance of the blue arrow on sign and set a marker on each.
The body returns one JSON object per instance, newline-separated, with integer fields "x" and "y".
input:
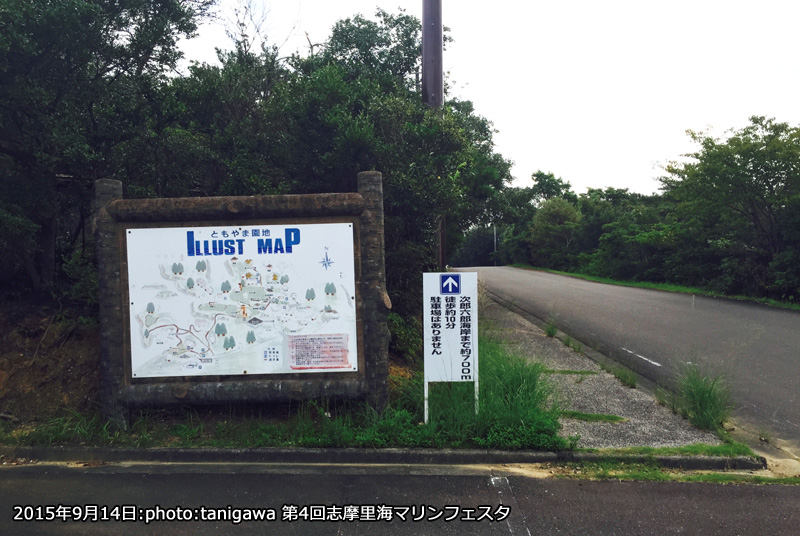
{"x": 450, "y": 284}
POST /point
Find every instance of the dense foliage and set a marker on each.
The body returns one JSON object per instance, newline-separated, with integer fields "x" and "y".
{"x": 88, "y": 90}
{"x": 728, "y": 220}
{"x": 78, "y": 80}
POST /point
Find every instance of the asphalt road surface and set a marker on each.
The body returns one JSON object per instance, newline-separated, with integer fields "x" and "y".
{"x": 197, "y": 500}
{"x": 755, "y": 347}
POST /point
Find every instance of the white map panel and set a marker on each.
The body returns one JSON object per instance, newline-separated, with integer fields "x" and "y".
{"x": 234, "y": 300}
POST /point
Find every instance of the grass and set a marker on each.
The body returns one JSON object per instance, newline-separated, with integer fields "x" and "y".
{"x": 569, "y": 342}
{"x": 765, "y": 435}
{"x": 517, "y": 411}
{"x": 550, "y": 329}
{"x": 616, "y": 470}
{"x": 727, "y": 450}
{"x": 668, "y": 287}
{"x": 722, "y": 478}
{"x": 651, "y": 471}
{"x": 517, "y": 403}
{"x": 702, "y": 399}
{"x": 624, "y": 375}
{"x": 592, "y": 417}
{"x": 668, "y": 399}
{"x": 613, "y": 467}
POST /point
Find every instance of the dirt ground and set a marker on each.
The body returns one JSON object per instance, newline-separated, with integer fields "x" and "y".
{"x": 49, "y": 360}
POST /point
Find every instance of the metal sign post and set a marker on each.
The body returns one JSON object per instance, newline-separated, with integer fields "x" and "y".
{"x": 450, "y": 329}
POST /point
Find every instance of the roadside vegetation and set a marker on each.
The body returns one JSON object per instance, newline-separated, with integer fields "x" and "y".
{"x": 112, "y": 103}
{"x": 652, "y": 471}
{"x": 698, "y": 291}
{"x": 517, "y": 410}
{"x": 550, "y": 329}
{"x": 728, "y": 449}
{"x": 625, "y": 375}
{"x": 725, "y": 221}
{"x": 702, "y": 399}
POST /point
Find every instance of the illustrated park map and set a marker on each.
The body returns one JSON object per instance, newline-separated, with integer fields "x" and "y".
{"x": 236, "y": 300}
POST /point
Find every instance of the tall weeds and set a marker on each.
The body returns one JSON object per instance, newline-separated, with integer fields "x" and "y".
{"x": 704, "y": 400}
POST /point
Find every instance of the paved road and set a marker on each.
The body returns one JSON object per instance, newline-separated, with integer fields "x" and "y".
{"x": 756, "y": 347}
{"x": 527, "y": 506}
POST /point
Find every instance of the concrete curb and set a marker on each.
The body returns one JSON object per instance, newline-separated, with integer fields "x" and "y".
{"x": 363, "y": 456}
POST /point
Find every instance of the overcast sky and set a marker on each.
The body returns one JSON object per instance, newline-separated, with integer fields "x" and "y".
{"x": 599, "y": 93}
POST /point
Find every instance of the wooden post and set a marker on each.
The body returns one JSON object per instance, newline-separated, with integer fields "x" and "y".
{"x": 376, "y": 300}
{"x": 111, "y": 319}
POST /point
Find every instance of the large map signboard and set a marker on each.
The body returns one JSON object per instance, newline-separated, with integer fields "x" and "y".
{"x": 235, "y": 300}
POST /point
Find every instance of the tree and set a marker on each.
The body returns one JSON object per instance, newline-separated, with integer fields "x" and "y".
{"x": 511, "y": 211}
{"x": 151, "y": 308}
{"x": 388, "y": 49}
{"x": 623, "y": 235}
{"x": 742, "y": 190}
{"x": 510, "y": 206}
{"x": 224, "y": 137}
{"x": 256, "y": 124}
{"x": 553, "y": 233}
{"x": 355, "y": 107}
{"x": 546, "y": 186}
{"x": 190, "y": 283}
{"x": 477, "y": 248}
{"x": 75, "y": 79}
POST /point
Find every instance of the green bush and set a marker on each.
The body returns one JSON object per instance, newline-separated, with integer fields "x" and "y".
{"x": 517, "y": 410}
{"x": 550, "y": 330}
{"x": 80, "y": 271}
{"x": 704, "y": 400}
{"x": 406, "y": 337}
{"x": 518, "y": 407}
{"x": 17, "y": 241}
{"x": 476, "y": 249}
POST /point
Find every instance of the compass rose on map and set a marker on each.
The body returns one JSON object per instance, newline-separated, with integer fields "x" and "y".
{"x": 326, "y": 262}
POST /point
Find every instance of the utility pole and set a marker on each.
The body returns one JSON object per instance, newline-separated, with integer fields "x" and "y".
{"x": 432, "y": 46}
{"x": 433, "y": 83}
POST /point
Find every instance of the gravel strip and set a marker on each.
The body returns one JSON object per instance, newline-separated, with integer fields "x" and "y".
{"x": 647, "y": 423}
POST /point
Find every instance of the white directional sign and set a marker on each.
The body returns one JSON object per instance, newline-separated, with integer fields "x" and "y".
{"x": 451, "y": 326}
{"x": 451, "y": 329}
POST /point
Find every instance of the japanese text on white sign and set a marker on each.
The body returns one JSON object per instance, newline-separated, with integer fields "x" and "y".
{"x": 230, "y": 300}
